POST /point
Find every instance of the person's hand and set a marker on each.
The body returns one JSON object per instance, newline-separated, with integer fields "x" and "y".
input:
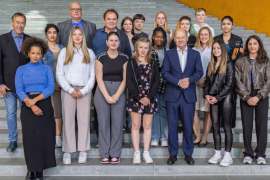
{"x": 200, "y": 83}
{"x": 79, "y": 94}
{"x": 3, "y": 89}
{"x": 255, "y": 100}
{"x": 29, "y": 102}
{"x": 213, "y": 100}
{"x": 110, "y": 100}
{"x": 36, "y": 110}
{"x": 184, "y": 83}
{"x": 57, "y": 87}
{"x": 145, "y": 101}
{"x": 208, "y": 98}
{"x": 74, "y": 93}
{"x": 115, "y": 97}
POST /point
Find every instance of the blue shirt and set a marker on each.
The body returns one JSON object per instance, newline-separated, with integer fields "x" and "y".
{"x": 99, "y": 41}
{"x": 18, "y": 40}
{"x": 251, "y": 79}
{"x": 228, "y": 50}
{"x": 34, "y": 77}
{"x": 77, "y": 24}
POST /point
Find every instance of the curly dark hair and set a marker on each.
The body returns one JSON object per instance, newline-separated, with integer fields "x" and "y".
{"x": 160, "y": 29}
{"x": 262, "y": 54}
{"x": 28, "y": 43}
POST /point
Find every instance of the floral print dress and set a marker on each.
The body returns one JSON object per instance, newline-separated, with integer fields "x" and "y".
{"x": 143, "y": 76}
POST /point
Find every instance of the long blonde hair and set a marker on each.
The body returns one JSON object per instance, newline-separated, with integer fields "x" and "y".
{"x": 148, "y": 55}
{"x": 70, "y": 51}
{"x": 224, "y": 59}
{"x": 166, "y": 28}
{"x": 198, "y": 40}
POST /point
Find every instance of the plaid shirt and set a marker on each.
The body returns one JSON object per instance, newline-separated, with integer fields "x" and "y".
{"x": 162, "y": 83}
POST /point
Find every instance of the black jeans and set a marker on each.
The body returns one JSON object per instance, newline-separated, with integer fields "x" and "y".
{"x": 224, "y": 109}
{"x": 261, "y": 119}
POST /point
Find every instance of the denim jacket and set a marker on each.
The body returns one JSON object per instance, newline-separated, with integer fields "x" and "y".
{"x": 47, "y": 59}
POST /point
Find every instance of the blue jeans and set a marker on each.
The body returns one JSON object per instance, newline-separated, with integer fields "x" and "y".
{"x": 11, "y": 107}
{"x": 160, "y": 123}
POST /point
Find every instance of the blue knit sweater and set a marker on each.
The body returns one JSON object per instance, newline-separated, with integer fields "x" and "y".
{"x": 34, "y": 77}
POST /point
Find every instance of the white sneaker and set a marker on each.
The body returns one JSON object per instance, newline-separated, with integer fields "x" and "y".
{"x": 261, "y": 161}
{"x": 227, "y": 159}
{"x": 147, "y": 158}
{"x": 232, "y": 131}
{"x": 154, "y": 143}
{"x": 137, "y": 157}
{"x": 82, "y": 157}
{"x": 247, "y": 160}
{"x": 164, "y": 143}
{"x": 66, "y": 158}
{"x": 58, "y": 142}
{"x": 216, "y": 158}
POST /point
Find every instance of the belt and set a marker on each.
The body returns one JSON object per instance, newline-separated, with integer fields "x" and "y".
{"x": 33, "y": 93}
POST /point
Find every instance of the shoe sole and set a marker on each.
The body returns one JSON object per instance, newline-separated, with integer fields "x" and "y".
{"x": 227, "y": 164}
{"x": 67, "y": 162}
{"x": 105, "y": 162}
{"x": 212, "y": 162}
{"x": 247, "y": 163}
{"x": 81, "y": 162}
{"x": 148, "y": 162}
{"x": 115, "y": 162}
{"x": 261, "y": 164}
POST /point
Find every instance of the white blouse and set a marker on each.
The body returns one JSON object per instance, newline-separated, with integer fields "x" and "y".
{"x": 205, "y": 57}
{"x": 76, "y": 73}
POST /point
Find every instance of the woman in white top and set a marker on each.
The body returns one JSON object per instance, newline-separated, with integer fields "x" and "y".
{"x": 203, "y": 46}
{"x": 161, "y": 20}
{"x": 75, "y": 73}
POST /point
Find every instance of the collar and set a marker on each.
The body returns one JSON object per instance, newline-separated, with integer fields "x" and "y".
{"x": 15, "y": 35}
{"x": 77, "y": 51}
{"x": 103, "y": 30}
{"x": 179, "y": 50}
{"x": 207, "y": 48}
{"x": 79, "y": 22}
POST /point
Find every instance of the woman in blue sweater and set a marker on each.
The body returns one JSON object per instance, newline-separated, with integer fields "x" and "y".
{"x": 34, "y": 84}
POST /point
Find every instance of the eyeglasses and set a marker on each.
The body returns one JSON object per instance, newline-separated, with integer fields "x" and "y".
{"x": 74, "y": 10}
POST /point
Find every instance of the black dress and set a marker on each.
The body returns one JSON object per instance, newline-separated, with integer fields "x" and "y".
{"x": 38, "y": 136}
{"x": 143, "y": 77}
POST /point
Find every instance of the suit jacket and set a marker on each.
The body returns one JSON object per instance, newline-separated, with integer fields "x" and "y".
{"x": 10, "y": 60}
{"x": 66, "y": 26}
{"x": 172, "y": 73}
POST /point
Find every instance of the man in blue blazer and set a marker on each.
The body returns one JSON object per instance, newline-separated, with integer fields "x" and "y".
{"x": 182, "y": 68}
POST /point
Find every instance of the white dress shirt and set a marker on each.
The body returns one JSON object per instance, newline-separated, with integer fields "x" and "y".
{"x": 205, "y": 57}
{"x": 76, "y": 73}
{"x": 182, "y": 58}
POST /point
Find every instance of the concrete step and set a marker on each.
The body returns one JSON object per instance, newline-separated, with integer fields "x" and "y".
{"x": 128, "y": 150}
{"x": 237, "y": 136}
{"x": 93, "y": 167}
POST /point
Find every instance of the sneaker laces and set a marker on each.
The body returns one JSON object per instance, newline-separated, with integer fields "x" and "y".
{"x": 260, "y": 159}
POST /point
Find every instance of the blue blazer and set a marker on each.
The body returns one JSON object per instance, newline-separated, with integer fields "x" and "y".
{"x": 172, "y": 73}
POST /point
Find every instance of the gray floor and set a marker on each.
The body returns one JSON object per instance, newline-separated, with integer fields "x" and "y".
{"x": 146, "y": 178}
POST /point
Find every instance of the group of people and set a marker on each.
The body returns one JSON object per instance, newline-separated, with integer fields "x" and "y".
{"x": 187, "y": 70}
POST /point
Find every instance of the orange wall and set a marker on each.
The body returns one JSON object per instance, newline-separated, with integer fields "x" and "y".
{"x": 253, "y": 14}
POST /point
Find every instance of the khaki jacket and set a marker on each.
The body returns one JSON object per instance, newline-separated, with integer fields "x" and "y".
{"x": 260, "y": 74}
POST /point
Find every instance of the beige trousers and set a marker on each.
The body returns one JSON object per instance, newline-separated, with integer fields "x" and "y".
{"x": 69, "y": 107}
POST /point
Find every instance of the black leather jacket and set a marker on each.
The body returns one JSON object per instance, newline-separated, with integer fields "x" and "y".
{"x": 220, "y": 85}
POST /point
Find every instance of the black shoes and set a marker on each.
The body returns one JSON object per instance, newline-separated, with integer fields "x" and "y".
{"x": 197, "y": 143}
{"x": 189, "y": 160}
{"x": 30, "y": 175}
{"x": 39, "y": 175}
{"x": 171, "y": 160}
{"x": 12, "y": 146}
{"x": 202, "y": 144}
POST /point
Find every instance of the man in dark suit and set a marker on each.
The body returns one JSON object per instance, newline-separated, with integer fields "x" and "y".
{"x": 75, "y": 12}
{"x": 11, "y": 58}
{"x": 182, "y": 68}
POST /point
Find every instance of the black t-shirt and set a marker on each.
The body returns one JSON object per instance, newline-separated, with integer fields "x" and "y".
{"x": 112, "y": 68}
